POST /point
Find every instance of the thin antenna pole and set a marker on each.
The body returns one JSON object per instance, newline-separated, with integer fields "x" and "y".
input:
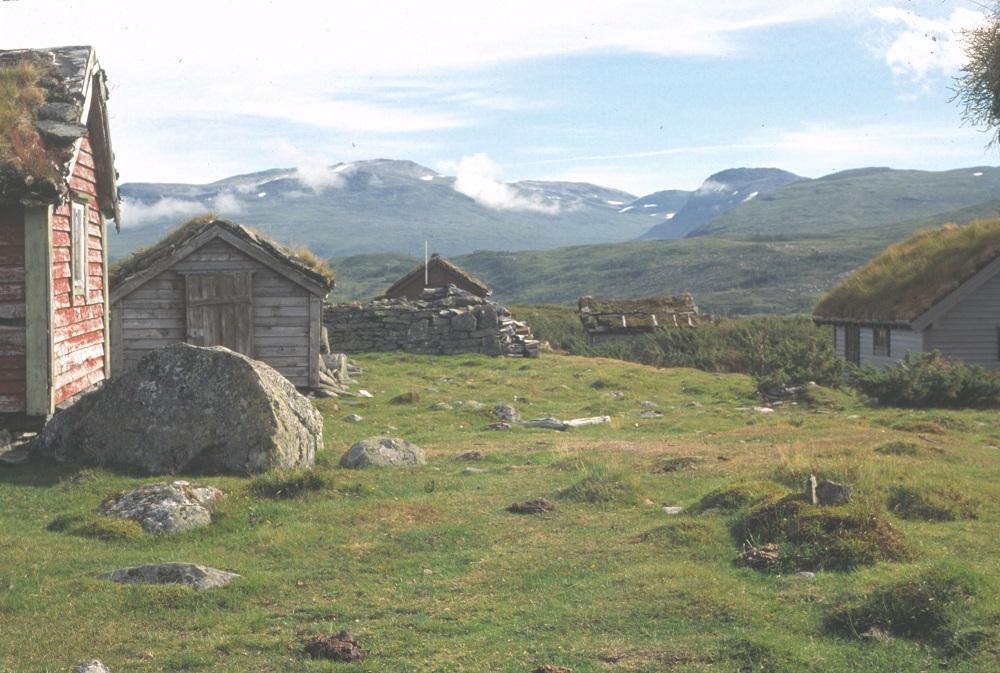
{"x": 426, "y": 263}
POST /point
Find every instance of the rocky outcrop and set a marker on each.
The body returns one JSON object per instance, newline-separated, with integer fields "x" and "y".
{"x": 165, "y": 508}
{"x": 382, "y": 451}
{"x": 191, "y": 574}
{"x": 189, "y": 407}
{"x": 442, "y": 321}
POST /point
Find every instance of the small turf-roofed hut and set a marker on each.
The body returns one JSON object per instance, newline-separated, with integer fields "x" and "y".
{"x": 437, "y": 273}
{"x": 215, "y": 283}
{"x": 937, "y": 290}
{"x": 58, "y": 188}
{"x": 614, "y": 319}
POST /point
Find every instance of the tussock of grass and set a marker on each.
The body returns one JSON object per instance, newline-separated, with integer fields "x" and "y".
{"x": 409, "y": 397}
{"x": 315, "y": 262}
{"x": 911, "y": 276}
{"x": 96, "y": 527}
{"x": 898, "y": 449}
{"x": 681, "y": 533}
{"x": 601, "y": 486}
{"x": 923, "y": 504}
{"x": 932, "y": 606}
{"x": 283, "y": 484}
{"x": 675, "y": 464}
{"x": 733, "y": 497}
{"x": 811, "y": 537}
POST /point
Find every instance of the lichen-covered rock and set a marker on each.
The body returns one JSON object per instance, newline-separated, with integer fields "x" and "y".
{"x": 191, "y": 574}
{"x": 94, "y": 666}
{"x": 381, "y": 451}
{"x": 165, "y": 508}
{"x": 506, "y": 413}
{"x": 189, "y": 407}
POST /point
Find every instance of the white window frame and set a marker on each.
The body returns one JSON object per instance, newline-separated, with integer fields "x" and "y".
{"x": 882, "y": 349}
{"x": 79, "y": 249}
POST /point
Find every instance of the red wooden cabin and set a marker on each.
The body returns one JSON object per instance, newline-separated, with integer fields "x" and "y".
{"x": 57, "y": 190}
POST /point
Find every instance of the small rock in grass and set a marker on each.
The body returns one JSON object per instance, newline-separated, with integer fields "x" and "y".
{"x": 649, "y": 404}
{"x": 94, "y": 666}
{"x": 650, "y": 414}
{"x": 474, "y": 470}
{"x": 472, "y": 455}
{"x": 759, "y": 558}
{"x": 764, "y": 410}
{"x": 826, "y": 493}
{"x": 341, "y": 647}
{"x": 353, "y": 418}
{"x": 507, "y": 413}
{"x": 616, "y": 394}
{"x": 501, "y": 425}
{"x": 806, "y": 574}
{"x": 878, "y": 634}
{"x": 191, "y": 574}
{"x": 165, "y": 508}
{"x": 442, "y": 406}
{"x": 549, "y": 668}
{"x": 695, "y": 405}
{"x": 532, "y": 506}
{"x": 673, "y": 510}
{"x": 365, "y": 393}
{"x": 382, "y": 451}
{"x": 472, "y": 405}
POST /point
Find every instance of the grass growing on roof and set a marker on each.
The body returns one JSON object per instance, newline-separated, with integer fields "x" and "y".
{"x": 908, "y": 278}
{"x": 21, "y": 147}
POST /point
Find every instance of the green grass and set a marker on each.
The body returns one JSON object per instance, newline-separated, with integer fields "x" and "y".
{"x": 430, "y": 573}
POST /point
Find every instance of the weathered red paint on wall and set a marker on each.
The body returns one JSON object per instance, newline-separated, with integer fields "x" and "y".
{"x": 79, "y": 344}
{"x": 13, "y": 381}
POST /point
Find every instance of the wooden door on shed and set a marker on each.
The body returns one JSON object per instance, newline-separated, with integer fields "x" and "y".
{"x": 220, "y": 310}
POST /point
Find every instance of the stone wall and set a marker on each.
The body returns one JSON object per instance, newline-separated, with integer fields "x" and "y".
{"x": 443, "y": 321}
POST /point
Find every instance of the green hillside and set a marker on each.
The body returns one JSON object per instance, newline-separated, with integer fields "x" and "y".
{"x": 731, "y": 277}
{"x": 856, "y": 199}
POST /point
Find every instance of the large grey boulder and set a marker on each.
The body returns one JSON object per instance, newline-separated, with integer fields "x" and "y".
{"x": 187, "y": 407}
{"x": 165, "y": 508}
{"x": 381, "y": 451}
{"x": 191, "y": 574}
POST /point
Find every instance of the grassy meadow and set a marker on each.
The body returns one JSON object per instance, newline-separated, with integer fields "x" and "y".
{"x": 430, "y": 573}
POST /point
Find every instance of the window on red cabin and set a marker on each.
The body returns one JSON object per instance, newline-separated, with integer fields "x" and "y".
{"x": 78, "y": 248}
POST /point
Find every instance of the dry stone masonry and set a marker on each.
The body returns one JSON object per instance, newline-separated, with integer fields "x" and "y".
{"x": 442, "y": 321}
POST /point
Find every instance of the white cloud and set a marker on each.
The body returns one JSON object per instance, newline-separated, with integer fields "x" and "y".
{"x": 920, "y": 46}
{"x": 476, "y": 177}
{"x": 226, "y": 203}
{"x": 137, "y": 214}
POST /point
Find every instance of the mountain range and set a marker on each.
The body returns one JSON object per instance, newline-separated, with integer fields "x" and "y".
{"x": 742, "y": 230}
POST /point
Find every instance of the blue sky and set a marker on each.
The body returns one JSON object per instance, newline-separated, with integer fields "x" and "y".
{"x": 637, "y": 95}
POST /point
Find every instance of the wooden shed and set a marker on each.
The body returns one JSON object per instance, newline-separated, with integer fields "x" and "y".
{"x": 438, "y": 272}
{"x": 938, "y": 290}
{"x": 216, "y": 283}
{"x": 58, "y": 188}
{"x": 613, "y": 319}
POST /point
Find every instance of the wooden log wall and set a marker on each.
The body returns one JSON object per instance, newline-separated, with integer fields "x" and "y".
{"x": 12, "y": 310}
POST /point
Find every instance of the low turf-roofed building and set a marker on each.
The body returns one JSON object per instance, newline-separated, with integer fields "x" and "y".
{"x": 938, "y": 290}
{"x": 58, "y": 189}
{"x": 216, "y": 283}
{"x": 614, "y": 319}
{"x": 438, "y": 272}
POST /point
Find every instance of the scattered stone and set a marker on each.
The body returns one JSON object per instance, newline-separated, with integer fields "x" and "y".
{"x": 649, "y": 404}
{"x": 409, "y": 397}
{"x": 472, "y": 455}
{"x": 501, "y": 425}
{"x": 474, "y": 470}
{"x": 764, "y": 410}
{"x": 672, "y": 510}
{"x": 165, "y": 508}
{"x": 548, "y": 423}
{"x": 189, "y": 407}
{"x": 827, "y": 493}
{"x": 365, "y": 393}
{"x": 341, "y": 647}
{"x": 442, "y": 406}
{"x": 191, "y": 574}
{"x": 549, "y": 668}
{"x": 381, "y": 451}
{"x": 695, "y": 405}
{"x": 507, "y": 413}
{"x": 353, "y": 418}
{"x": 650, "y": 414}
{"x": 532, "y": 506}
{"x": 878, "y": 634}
{"x": 471, "y": 405}
{"x": 806, "y": 574}
{"x": 14, "y": 456}
{"x": 759, "y": 558}
{"x": 616, "y": 394}
{"x": 676, "y": 464}
{"x": 94, "y": 666}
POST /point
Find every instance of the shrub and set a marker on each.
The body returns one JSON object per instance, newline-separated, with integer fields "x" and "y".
{"x": 734, "y": 497}
{"x": 898, "y": 449}
{"x": 931, "y": 505}
{"x": 600, "y": 486}
{"x": 928, "y": 380}
{"x": 810, "y": 537}
{"x": 929, "y": 606}
{"x": 282, "y": 484}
